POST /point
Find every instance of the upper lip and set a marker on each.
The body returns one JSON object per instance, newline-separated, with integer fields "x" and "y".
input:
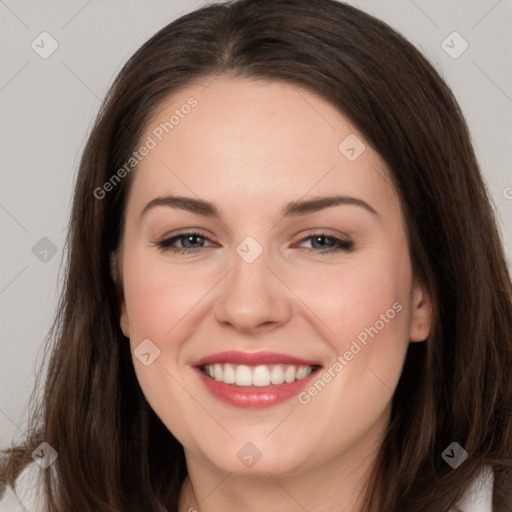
{"x": 253, "y": 359}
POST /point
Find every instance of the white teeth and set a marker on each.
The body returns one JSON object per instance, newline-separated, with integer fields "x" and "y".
{"x": 277, "y": 374}
{"x": 302, "y": 372}
{"x": 289, "y": 374}
{"x": 259, "y": 376}
{"x": 243, "y": 375}
{"x": 229, "y": 374}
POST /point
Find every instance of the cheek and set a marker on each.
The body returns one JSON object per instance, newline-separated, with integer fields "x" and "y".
{"x": 158, "y": 298}
{"x": 367, "y": 311}
{"x": 366, "y": 298}
{"x": 366, "y": 308}
{"x": 157, "y": 295}
{"x": 375, "y": 326}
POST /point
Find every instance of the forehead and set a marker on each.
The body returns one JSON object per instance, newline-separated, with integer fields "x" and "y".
{"x": 256, "y": 141}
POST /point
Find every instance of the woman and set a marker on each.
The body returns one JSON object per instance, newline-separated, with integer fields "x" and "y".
{"x": 340, "y": 337}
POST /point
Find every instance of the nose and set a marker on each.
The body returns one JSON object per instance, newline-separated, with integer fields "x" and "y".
{"x": 252, "y": 298}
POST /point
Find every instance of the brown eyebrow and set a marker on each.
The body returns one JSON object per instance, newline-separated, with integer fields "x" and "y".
{"x": 292, "y": 209}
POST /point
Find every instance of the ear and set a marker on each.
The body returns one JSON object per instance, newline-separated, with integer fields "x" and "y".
{"x": 421, "y": 313}
{"x": 118, "y": 281}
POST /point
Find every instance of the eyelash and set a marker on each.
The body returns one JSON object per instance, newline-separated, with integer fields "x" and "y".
{"x": 341, "y": 245}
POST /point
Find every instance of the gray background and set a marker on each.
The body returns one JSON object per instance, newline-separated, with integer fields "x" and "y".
{"x": 48, "y": 105}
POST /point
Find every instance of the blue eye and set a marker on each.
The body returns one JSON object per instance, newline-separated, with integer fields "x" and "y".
{"x": 334, "y": 244}
{"x": 194, "y": 243}
{"x": 189, "y": 241}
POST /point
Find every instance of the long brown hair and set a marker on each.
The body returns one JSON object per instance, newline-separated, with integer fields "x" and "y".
{"x": 114, "y": 452}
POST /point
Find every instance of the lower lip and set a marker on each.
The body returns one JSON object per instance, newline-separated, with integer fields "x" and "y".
{"x": 252, "y": 397}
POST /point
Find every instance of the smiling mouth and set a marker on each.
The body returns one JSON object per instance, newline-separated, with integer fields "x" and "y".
{"x": 257, "y": 376}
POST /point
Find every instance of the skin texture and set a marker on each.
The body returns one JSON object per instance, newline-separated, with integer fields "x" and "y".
{"x": 250, "y": 147}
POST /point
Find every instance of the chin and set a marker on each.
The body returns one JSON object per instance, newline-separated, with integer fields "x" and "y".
{"x": 253, "y": 459}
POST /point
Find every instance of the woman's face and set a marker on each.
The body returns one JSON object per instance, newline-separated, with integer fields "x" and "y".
{"x": 277, "y": 280}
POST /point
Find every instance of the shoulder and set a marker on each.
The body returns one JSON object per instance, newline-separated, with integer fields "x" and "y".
{"x": 26, "y": 495}
{"x": 478, "y": 498}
